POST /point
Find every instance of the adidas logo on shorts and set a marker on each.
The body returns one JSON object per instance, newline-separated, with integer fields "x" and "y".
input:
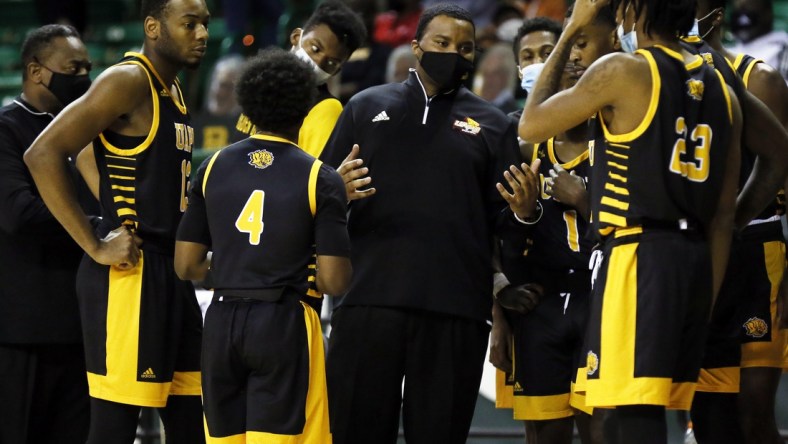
{"x": 148, "y": 374}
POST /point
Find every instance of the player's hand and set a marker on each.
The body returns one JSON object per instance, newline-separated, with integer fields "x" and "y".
{"x": 119, "y": 248}
{"x": 584, "y": 12}
{"x": 520, "y": 298}
{"x": 354, "y": 174}
{"x": 782, "y": 302}
{"x": 524, "y": 184}
{"x": 501, "y": 344}
{"x": 568, "y": 188}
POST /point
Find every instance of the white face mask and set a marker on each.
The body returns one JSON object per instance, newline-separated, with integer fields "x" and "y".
{"x": 320, "y": 75}
{"x": 530, "y": 73}
{"x": 695, "y": 31}
{"x": 629, "y": 41}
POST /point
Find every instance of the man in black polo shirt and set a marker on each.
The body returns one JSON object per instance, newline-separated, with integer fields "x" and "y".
{"x": 43, "y": 389}
{"x": 420, "y": 300}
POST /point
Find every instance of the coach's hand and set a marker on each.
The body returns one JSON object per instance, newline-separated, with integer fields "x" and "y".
{"x": 520, "y": 298}
{"x": 355, "y": 176}
{"x": 500, "y": 341}
{"x": 120, "y": 248}
{"x": 524, "y": 184}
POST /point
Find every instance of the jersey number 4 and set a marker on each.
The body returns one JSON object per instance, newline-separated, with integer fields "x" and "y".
{"x": 251, "y": 218}
{"x": 695, "y": 169}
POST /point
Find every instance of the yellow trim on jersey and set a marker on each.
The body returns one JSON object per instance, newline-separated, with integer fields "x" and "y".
{"x": 691, "y": 39}
{"x": 695, "y": 62}
{"x": 578, "y": 400}
{"x": 719, "y": 380}
{"x": 746, "y": 77}
{"x": 628, "y": 231}
{"x": 737, "y": 61}
{"x": 129, "y": 200}
{"x": 613, "y": 219}
{"x": 154, "y": 127}
{"x": 121, "y": 188}
{"x": 542, "y": 408}
{"x": 115, "y": 176}
{"x": 254, "y": 438}
{"x": 271, "y": 138}
{"x": 313, "y": 186}
{"x": 180, "y": 105}
{"x": 318, "y": 125}
{"x": 127, "y": 212}
{"x": 121, "y": 167}
{"x": 615, "y": 203}
{"x": 617, "y": 190}
{"x": 724, "y": 87}
{"x": 615, "y": 154}
{"x": 618, "y": 165}
{"x": 656, "y": 84}
{"x": 568, "y": 165}
{"x": 617, "y": 177}
{"x": 208, "y": 171}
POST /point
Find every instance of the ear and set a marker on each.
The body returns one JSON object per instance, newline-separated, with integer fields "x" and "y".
{"x": 719, "y": 16}
{"x": 151, "y": 27}
{"x": 295, "y": 36}
{"x": 615, "y": 43}
{"x": 34, "y": 72}
{"x": 414, "y": 46}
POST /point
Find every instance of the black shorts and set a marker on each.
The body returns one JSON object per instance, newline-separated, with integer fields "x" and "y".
{"x": 647, "y": 326}
{"x": 264, "y": 374}
{"x": 548, "y": 343}
{"x": 142, "y": 330}
{"x": 741, "y": 332}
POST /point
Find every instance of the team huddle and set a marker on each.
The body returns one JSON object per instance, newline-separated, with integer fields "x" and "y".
{"x": 617, "y": 242}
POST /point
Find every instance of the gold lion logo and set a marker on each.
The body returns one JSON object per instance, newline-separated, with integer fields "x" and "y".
{"x": 592, "y": 363}
{"x": 708, "y": 59}
{"x": 261, "y": 159}
{"x": 756, "y": 327}
{"x": 695, "y": 89}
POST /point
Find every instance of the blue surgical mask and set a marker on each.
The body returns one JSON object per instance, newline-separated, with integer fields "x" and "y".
{"x": 530, "y": 73}
{"x": 695, "y": 31}
{"x": 629, "y": 41}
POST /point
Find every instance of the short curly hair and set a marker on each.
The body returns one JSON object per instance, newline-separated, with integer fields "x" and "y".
{"x": 345, "y": 23}
{"x": 276, "y": 90}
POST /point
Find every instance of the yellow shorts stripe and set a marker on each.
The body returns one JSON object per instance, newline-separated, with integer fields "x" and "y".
{"x": 504, "y": 393}
{"x": 719, "y": 380}
{"x": 542, "y": 408}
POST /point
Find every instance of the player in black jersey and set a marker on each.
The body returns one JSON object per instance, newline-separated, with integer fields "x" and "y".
{"x": 264, "y": 208}
{"x": 744, "y": 351}
{"x": 141, "y": 325}
{"x": 663, "y": 185}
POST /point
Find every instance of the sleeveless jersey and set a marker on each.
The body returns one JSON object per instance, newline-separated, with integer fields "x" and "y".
{"x": 558, "y": 240}
{"x": 260, "y": 201}
{"x": 737, "y": 76}
{"x": 144, "y": 180}
{"x": 671, "y": 166}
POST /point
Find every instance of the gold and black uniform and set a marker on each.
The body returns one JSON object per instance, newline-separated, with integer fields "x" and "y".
{"x": 265, "y": 208}
{"x": 740, "y": 331}
{"x": 652, "y": 190}
{"x": 142, "y": 327}
{"x": 548, "y": 340}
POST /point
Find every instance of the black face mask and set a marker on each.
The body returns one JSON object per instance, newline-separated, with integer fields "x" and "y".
{"x": 447, "y": 69}
{"x": 68, "y": 88}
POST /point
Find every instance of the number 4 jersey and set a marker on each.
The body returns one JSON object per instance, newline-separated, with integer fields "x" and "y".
{"x": 265, "y": 208}
{"x": 671, "y": 166}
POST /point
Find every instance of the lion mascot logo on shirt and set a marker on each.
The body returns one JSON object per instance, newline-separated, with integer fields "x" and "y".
{"x": 756, "y": 327}
{"x": 261, "y": 159}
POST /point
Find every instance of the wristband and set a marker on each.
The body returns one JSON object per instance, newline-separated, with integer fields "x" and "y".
{"x": 532, "y": 220}
{"x": 499, "y": 283}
